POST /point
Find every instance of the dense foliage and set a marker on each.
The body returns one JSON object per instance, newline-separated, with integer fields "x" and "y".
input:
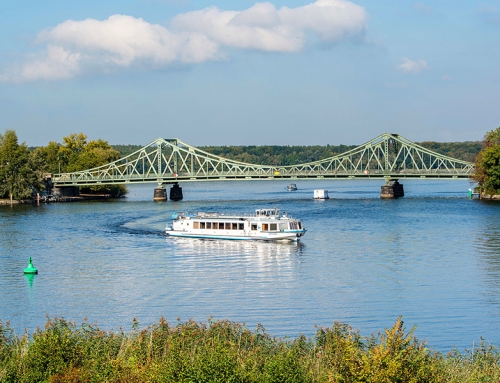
{"x": 21, "y": 172}
{"x": 292, "y": 155}
{"x": 487, "y": 166}
{"x": 223, "y": 351}
{"x": 76, "y": 153}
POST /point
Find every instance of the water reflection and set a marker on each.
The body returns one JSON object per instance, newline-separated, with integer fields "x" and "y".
{"x": 30, "y": 278}
{"x": 259, "y": 249}
{"x": 257, "y": 260}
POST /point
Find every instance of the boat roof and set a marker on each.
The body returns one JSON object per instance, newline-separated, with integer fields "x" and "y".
{"x": 272, "y": 213}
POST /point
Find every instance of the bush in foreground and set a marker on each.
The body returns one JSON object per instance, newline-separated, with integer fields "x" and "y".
{"x": 223, "y": 351}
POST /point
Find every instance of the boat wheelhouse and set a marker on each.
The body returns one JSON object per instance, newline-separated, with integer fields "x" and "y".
{"x": 265, "y": 224}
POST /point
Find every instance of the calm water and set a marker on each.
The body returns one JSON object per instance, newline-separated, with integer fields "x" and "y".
{"x": 432, "y": 257}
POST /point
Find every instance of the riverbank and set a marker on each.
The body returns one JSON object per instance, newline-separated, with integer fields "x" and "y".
{"x": 81, "y": 197}
{"x": 491, "y": 197}
{"x": 223, "y": 351}
{"x": 7, "y": 201}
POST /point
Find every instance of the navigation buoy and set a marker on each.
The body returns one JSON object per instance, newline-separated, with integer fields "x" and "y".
{"x": 30, "y": 269}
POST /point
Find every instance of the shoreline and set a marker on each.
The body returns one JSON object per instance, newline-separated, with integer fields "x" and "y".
{"x": 81, "y": 197}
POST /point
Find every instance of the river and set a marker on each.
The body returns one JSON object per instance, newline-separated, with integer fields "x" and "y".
{"x": 432, "y": 257}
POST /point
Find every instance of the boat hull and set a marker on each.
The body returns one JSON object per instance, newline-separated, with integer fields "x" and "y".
{"x": 263, "y": 237}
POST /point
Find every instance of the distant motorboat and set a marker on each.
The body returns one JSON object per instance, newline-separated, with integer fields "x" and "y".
{"x": 292, "y": 187}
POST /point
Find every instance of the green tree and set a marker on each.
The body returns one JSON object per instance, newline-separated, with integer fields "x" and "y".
{"x": 76, "y": 153}
{"x": 487, "y": 166}
{"x": 54, "y": 157}
{"x": 21, "y": 172}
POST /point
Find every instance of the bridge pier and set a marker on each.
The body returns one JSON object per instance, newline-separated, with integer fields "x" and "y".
{"x": 65, "y": 191}
{"x": 160, "y": 194}
{"x": 392, "y": 189}
{"x": 176, "y": 192}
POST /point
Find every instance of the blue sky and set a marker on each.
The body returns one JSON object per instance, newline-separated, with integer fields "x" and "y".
{"x": 247, "y": 73}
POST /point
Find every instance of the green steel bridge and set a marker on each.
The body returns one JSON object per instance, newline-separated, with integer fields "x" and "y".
{"x": 170, "y": 161}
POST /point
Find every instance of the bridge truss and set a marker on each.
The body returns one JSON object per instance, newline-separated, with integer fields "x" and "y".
{"x": 167, "y": 161}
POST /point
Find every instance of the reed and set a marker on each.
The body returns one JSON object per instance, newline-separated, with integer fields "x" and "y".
{"x": 224, "y": 351}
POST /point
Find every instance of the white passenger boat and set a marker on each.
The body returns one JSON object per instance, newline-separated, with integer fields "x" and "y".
{"x": 292, "y": 187}
{"x": 265, "y": 224}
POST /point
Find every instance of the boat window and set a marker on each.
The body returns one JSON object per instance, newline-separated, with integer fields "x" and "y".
{"x": 274, "y": 226}
{"x": 254, "y": 226}
{"x": 209, "y": 225}
{"x": 195, "y": 225}
{"x": 202, "y": 225}
{"x": 221, "y": 225}
{"x": 228, "y": 225}
{"x": 265, "y": 227}
{"x": 241, "y": 226}
{"x": 300, "y": 225}
{"x": 235, "y": 226}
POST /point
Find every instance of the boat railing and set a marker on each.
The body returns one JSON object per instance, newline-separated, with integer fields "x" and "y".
{"x": 258, "y": 214}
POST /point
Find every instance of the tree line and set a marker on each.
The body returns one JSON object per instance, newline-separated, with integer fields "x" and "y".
{"x": 23, "y": 170}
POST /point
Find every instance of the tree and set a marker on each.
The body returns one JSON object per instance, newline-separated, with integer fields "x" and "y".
{"x": 487, "y": 166}
{"x": 21, "y": 172}
{"x": 76, "y": 153}
{"x": 53, "y": 156}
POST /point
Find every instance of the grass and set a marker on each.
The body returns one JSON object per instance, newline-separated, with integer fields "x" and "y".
{"x": 224, "y": 351}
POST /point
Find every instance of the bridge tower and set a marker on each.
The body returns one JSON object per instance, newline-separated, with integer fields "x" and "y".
{"x": 392, "y": 188}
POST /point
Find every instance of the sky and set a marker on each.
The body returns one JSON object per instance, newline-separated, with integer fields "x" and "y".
{"x": 216, "y": 72}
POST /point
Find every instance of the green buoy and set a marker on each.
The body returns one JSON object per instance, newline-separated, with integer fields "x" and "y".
{"x": 30, "y": 269}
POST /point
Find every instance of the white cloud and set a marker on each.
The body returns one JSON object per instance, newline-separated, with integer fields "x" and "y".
{"x": 446, "y": 77}
{"x": 410, "y": 66}
{"x": 123, "y": 41}
{"x": 263, "y": 27}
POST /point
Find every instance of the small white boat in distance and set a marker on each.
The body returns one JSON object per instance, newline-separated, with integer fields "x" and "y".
{"x": 292, "y": 187}
{"x": 321, "y": 194}
{"x": 265, "y": 224}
